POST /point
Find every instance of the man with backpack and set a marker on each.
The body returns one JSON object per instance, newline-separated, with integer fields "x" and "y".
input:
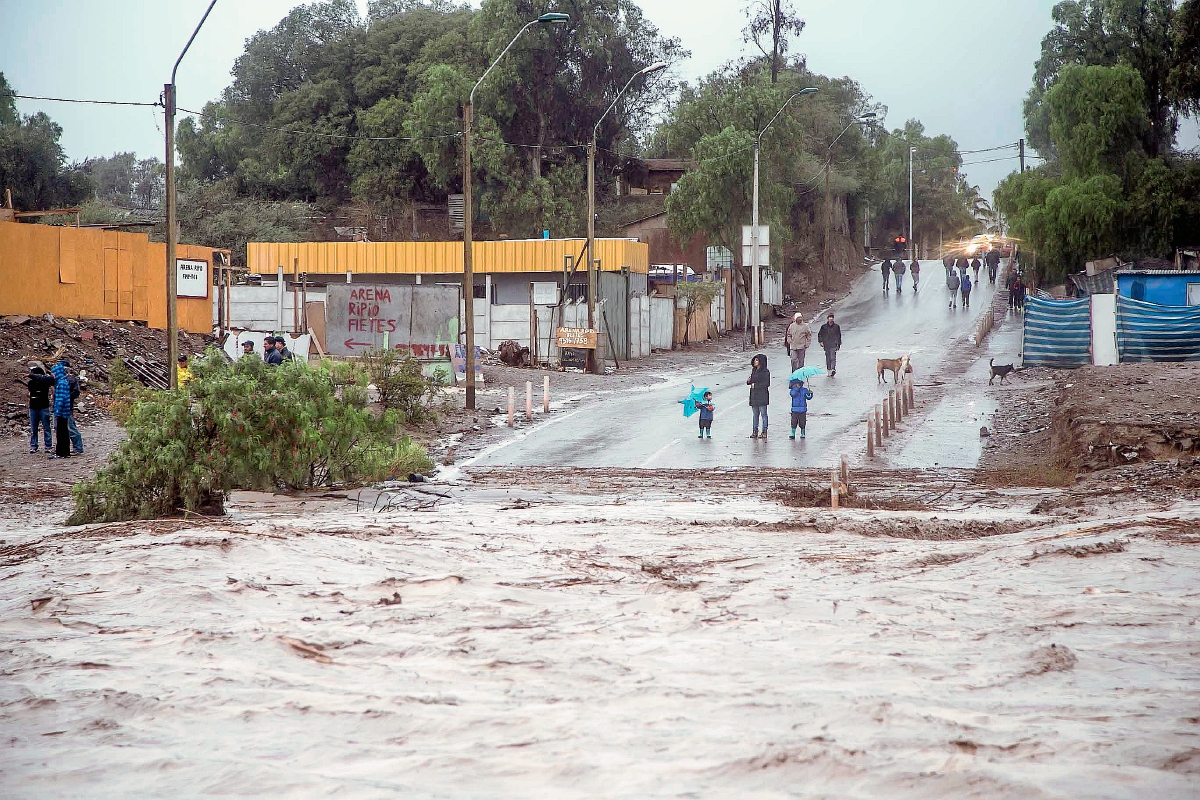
{"x": 886, "y": 268}
{"x": 952, "y": 283}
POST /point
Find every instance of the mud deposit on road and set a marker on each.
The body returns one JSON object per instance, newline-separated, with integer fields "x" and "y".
{"x": 535, "y": 642}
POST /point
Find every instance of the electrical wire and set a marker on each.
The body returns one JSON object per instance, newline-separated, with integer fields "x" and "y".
{"x": 75, "y": 100}
{"x": 988, "y": 149}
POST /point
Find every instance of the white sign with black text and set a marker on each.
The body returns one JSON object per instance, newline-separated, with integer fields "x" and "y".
{"x": 191, "y": 278}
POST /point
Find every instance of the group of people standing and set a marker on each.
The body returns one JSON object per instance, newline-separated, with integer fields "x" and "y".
{"x": 888, "y": 267}
{"x": 53, "y": 395}
{"x": 275, "y": 350}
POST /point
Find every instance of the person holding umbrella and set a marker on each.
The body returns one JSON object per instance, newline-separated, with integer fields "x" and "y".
{"x": 801, "y": 394}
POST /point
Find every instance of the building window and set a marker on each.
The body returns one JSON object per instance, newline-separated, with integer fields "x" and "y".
{"x": 1193, "y": 294}
{"x": 719, "y": 259}
{"x": 577, "y": 292}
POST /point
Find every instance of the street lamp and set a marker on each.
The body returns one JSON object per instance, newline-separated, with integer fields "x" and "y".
{"x": 755, "y": 277}
{"x": 172, "y": 233}
{"x": 468, "y": 273}
{"x": 591, "y": 187}
{"x": 870, "y": 115}
{"x": 912, "y": 246}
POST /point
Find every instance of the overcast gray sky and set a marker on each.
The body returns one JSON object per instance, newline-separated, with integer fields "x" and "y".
{"x": 960, "y": 66}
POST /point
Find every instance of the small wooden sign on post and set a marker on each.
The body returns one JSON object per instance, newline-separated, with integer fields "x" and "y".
{"x": 578, "y": 338}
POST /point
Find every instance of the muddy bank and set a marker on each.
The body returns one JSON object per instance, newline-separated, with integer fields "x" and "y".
{"x": 1139, "y": 424}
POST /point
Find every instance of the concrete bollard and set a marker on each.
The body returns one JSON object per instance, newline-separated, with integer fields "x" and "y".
{"x": 886, "y": 423}
{"x": 512, "y": 407}
{"x": 904, "y": 397}
{"x": 528, "y": 400}
{"x": 833, "y": 489}
{"x": 845, "y": 471}
{"x": 870, "y": 438}
{"x": 891, "y": 399}
{"x": 546, "y": 394}
{"x": 878, "y": 427}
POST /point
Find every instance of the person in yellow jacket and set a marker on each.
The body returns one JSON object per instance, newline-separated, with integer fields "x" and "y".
{"x": 183, "y": 373}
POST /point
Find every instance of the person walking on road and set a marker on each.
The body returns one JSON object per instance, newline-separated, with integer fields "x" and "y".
{"x": 916, "y": 273}
{"x": 886, "y": 268}
{"x": 975, "y": 265}
{"x": 796, "y": 340}
{"x": 948, "y": 263}
{"x": 40, "y": 385}
{"x": 993, "y": 263}
{"x": 801, "y": 394}
{"x": 760, "y": 396}
{"x": 952, "y": 283}
{"x": 1019, "y": 293}
{"x": 899, "y": 268}
{"x": 830, "y": 338}
{"x": 965, "y": 287}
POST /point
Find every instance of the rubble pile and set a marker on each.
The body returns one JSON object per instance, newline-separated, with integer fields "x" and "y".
{"x": 91, "y": 345}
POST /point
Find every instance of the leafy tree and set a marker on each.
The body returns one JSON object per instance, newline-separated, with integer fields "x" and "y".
{"x": 125, "y": 181}
{"x": 189, "y": 447}
{"x": 215, "y": 215}
{"x": 695, "y": 295}
{"x": 1138, "y": 33}
{"x": 772, "y": 24}
{"x": 1184, "y": 78}
{"x": 32, "y": 162}
{"x": 1097, "y": 117}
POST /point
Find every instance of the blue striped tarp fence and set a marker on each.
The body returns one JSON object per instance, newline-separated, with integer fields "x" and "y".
{"x": 1058, "y": 333}
{"x": 1150, "y": 332}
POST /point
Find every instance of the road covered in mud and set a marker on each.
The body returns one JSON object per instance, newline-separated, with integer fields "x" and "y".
{"x": 620, "y": 642}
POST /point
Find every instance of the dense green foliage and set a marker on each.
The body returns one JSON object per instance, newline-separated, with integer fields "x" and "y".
{"x": 1112, "y": 82}
{"x": 246, "y": 425}
{"x": 401, "y": 383}
{"x": 32, "y": 162}
{"x": 715, "y": 124}
{"x": 326, "y": 106}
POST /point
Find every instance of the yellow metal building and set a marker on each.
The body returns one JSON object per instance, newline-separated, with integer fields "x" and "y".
{"x": 441, "y": 258}
{"x": 96, "y": 274}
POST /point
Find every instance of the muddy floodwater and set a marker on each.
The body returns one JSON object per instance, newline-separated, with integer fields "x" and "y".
{"x": 524, "y": 644}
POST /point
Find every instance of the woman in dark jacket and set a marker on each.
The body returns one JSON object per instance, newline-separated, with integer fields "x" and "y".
{"x": 760, "y": 397}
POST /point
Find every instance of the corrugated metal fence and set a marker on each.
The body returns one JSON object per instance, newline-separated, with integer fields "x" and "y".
{"x": 1150, "y": 332}
{"x": 1058, "y": 333}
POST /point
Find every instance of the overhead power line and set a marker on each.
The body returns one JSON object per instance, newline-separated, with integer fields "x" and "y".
{"x": 989, "y": 149}
{"x": 77, "y": 100}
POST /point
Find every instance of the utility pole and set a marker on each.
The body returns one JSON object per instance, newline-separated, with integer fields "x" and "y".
{"x": 828, "y": 223}
{"x": 911, "y": 246}
{"x": 172, "y": 222}
{"x": 172, "y": 238}
{"x": 593, "y": 362}
{"x": 867, "y": 229}
{"x": 1022, "y": 155}
{"x": 468, "y": 266}
{"x": 755, "y": 275}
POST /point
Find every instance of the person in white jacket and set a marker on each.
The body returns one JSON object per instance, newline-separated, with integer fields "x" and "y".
{"x": 796, "y": 340}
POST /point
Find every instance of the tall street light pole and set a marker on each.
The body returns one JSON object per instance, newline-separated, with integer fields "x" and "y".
{"x": 755, "y": 276}
{"x": 870, "y": 115}
{"x": 172, "y": 223}
{"x": 912, "y": 246}
{"x": 468, "y": 212}
{"x": 593, "y": 362}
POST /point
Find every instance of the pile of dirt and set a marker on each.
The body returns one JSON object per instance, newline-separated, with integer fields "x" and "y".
{"x": 91, "y": 345}
{"x": 1110, "y": 416}
{"x": 1142, "y": 420}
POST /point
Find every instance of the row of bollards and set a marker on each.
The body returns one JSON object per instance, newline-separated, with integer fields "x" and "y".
{"x": 512, "y": 401}
{"x": 882, "y": 421}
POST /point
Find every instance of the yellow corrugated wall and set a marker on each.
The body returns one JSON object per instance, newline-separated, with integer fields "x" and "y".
{"x": 426, "y": 258}
{"x": 86, "y": 273}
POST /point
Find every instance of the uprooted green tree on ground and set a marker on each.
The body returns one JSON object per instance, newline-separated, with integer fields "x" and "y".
{"x": 247, "y": 425}
{"x": 696, "y": 294}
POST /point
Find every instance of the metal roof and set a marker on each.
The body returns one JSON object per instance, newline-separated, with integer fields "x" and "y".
{"x": 1190, "y": 273}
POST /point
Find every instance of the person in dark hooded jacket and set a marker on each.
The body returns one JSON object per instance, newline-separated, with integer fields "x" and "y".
{"x": 39, "y": 385}
{"x": 62, "y": 412}
{"x": 760, "y": 396}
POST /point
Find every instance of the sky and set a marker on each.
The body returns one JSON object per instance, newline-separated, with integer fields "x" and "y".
{"x": 960, "y": 66}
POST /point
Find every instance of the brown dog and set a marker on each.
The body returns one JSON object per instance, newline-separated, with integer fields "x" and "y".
{"x": 895, "y": 365}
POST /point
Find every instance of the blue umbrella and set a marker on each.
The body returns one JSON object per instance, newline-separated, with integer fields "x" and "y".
{"x": 804, "y": 373}
{"x": 691, "y": 402}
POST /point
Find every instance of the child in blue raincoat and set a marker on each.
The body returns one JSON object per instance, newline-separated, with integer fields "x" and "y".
{"x": 706, "y": 416}
{"x": 801, "y": 394}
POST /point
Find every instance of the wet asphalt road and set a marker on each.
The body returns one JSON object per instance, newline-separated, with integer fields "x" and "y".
{"x": 646, "y": 429}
